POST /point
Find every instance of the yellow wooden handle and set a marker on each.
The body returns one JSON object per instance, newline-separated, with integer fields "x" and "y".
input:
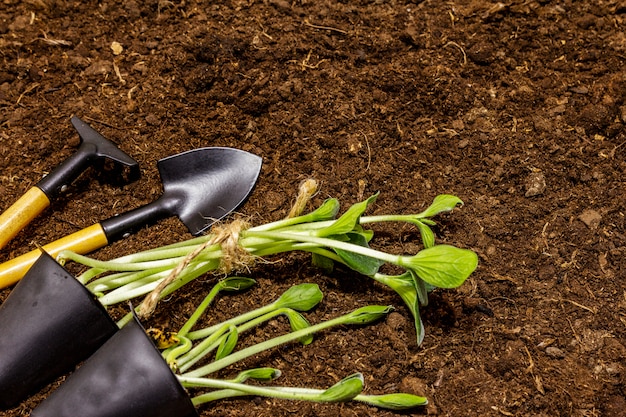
{"x": 21, "y": 213}
{"x": 83, "y": 241}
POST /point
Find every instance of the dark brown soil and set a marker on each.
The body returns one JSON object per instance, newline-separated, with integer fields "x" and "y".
{"x": 516, "y": 107}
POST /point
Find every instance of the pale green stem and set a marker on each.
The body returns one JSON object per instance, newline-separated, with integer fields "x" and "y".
{"x": 133, "y": 289}
{"x": 216, "y": 395}
{"x": 408, "y": 218}
{"x": 115, "y": 265}
{"x": 114, "y": 281}
{"x": 260, "y": 347}
{"x": 285, "y": 393}
{"x": 173, "y": 353}
{"x": 202, "y": 349}
{"x": 199, "y": 311}
{"x": 285, "y": 246}
{"x": 250, "y": 315}
{"x": 142, "y": 287}
{"x": 198, "y": 352}
{"x": 331, "y": 243}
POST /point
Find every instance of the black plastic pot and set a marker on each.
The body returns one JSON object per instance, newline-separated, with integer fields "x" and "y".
{"x": 126, "y": 377}
{"x": 48, "y": 324}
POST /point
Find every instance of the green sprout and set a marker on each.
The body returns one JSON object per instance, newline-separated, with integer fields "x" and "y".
{"x": 195, "y": 346}
{"x": 330, "y": 240}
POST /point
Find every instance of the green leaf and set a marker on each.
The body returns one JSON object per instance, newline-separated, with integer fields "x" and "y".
{"x": 366, "y": 233}
{"x": 367, "y": 314}
{"x": 298, "y": 322}
{"x": 398, "y": 401}
{"x": 236, "y": 283}
{"x": 441, "y": 203}
{"x": 405, "y": 286}
{"x": 227, "y": 343}
{"x": 428, "y": 237}
{"x": 258, "y": 374}
{"x": 322, "y": 262}
{"x": 364, "y": 265}
{"x": 302, "y": 297}
{"x": 326, "y": 211}
{"x": 421, "y": 287}
{"x": 442, "y": 266}
{"x": 347, "y": 222}
{"x": 344, "y": 390}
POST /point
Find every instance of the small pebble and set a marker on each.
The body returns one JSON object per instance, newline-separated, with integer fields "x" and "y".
{"x": 117, "y": 48}
{"x": 152, "y": 119}
{"x": 555, "y": 352}
{"x": 99, "y": 68}
{"x": 396, "y": 320}
{"x": 535, "y": 184}
{"x": 542, "y": 124}
{"x": 579, "y": 90}
{"x": 591, "y": 218}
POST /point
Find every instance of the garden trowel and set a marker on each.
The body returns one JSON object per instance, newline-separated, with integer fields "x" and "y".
{"x": 94, "y": 150}
{"x": 199, "y": 187}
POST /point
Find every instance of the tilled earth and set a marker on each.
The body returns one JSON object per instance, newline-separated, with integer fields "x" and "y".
{"x": 516, "y": 107}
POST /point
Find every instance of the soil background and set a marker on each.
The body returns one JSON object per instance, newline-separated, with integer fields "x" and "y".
{"x": 517, "y": 107}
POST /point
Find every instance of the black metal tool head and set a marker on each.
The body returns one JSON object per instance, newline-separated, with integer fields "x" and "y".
{"x": 208, "y": 183}
{"x": 95, "y": 150}
{"x": 200, "y": 187}
{"x": 101, "y": 147}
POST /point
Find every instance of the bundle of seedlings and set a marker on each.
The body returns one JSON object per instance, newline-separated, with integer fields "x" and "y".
{"x": 331, "y": 240}
{"x": 134, "y": 374}
{"x": 51, "y": 321}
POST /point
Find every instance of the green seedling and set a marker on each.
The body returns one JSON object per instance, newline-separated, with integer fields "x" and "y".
{"x": 331, "y": 240}
{"x": 194, "y": 347}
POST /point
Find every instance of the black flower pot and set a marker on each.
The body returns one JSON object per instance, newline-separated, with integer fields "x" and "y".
{"x": 126, "y": 377}
{"x": 48, "y": 324}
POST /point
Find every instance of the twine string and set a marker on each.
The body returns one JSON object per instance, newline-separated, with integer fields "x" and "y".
{"x": 233, "y": 256}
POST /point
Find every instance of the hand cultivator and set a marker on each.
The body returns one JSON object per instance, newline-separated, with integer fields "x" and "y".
{"x": 94, "y": 150}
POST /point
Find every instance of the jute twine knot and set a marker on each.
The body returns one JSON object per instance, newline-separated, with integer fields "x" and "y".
{"x": 233, "y": 257}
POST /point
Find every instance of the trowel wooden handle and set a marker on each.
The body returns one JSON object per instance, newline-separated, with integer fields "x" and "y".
{"x": 16, "y": 217}
{"x": 83, "y": 241}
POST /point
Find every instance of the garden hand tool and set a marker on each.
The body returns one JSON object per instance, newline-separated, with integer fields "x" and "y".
{"x": 199, "y": 187}
{"x": 94, "y": 148}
